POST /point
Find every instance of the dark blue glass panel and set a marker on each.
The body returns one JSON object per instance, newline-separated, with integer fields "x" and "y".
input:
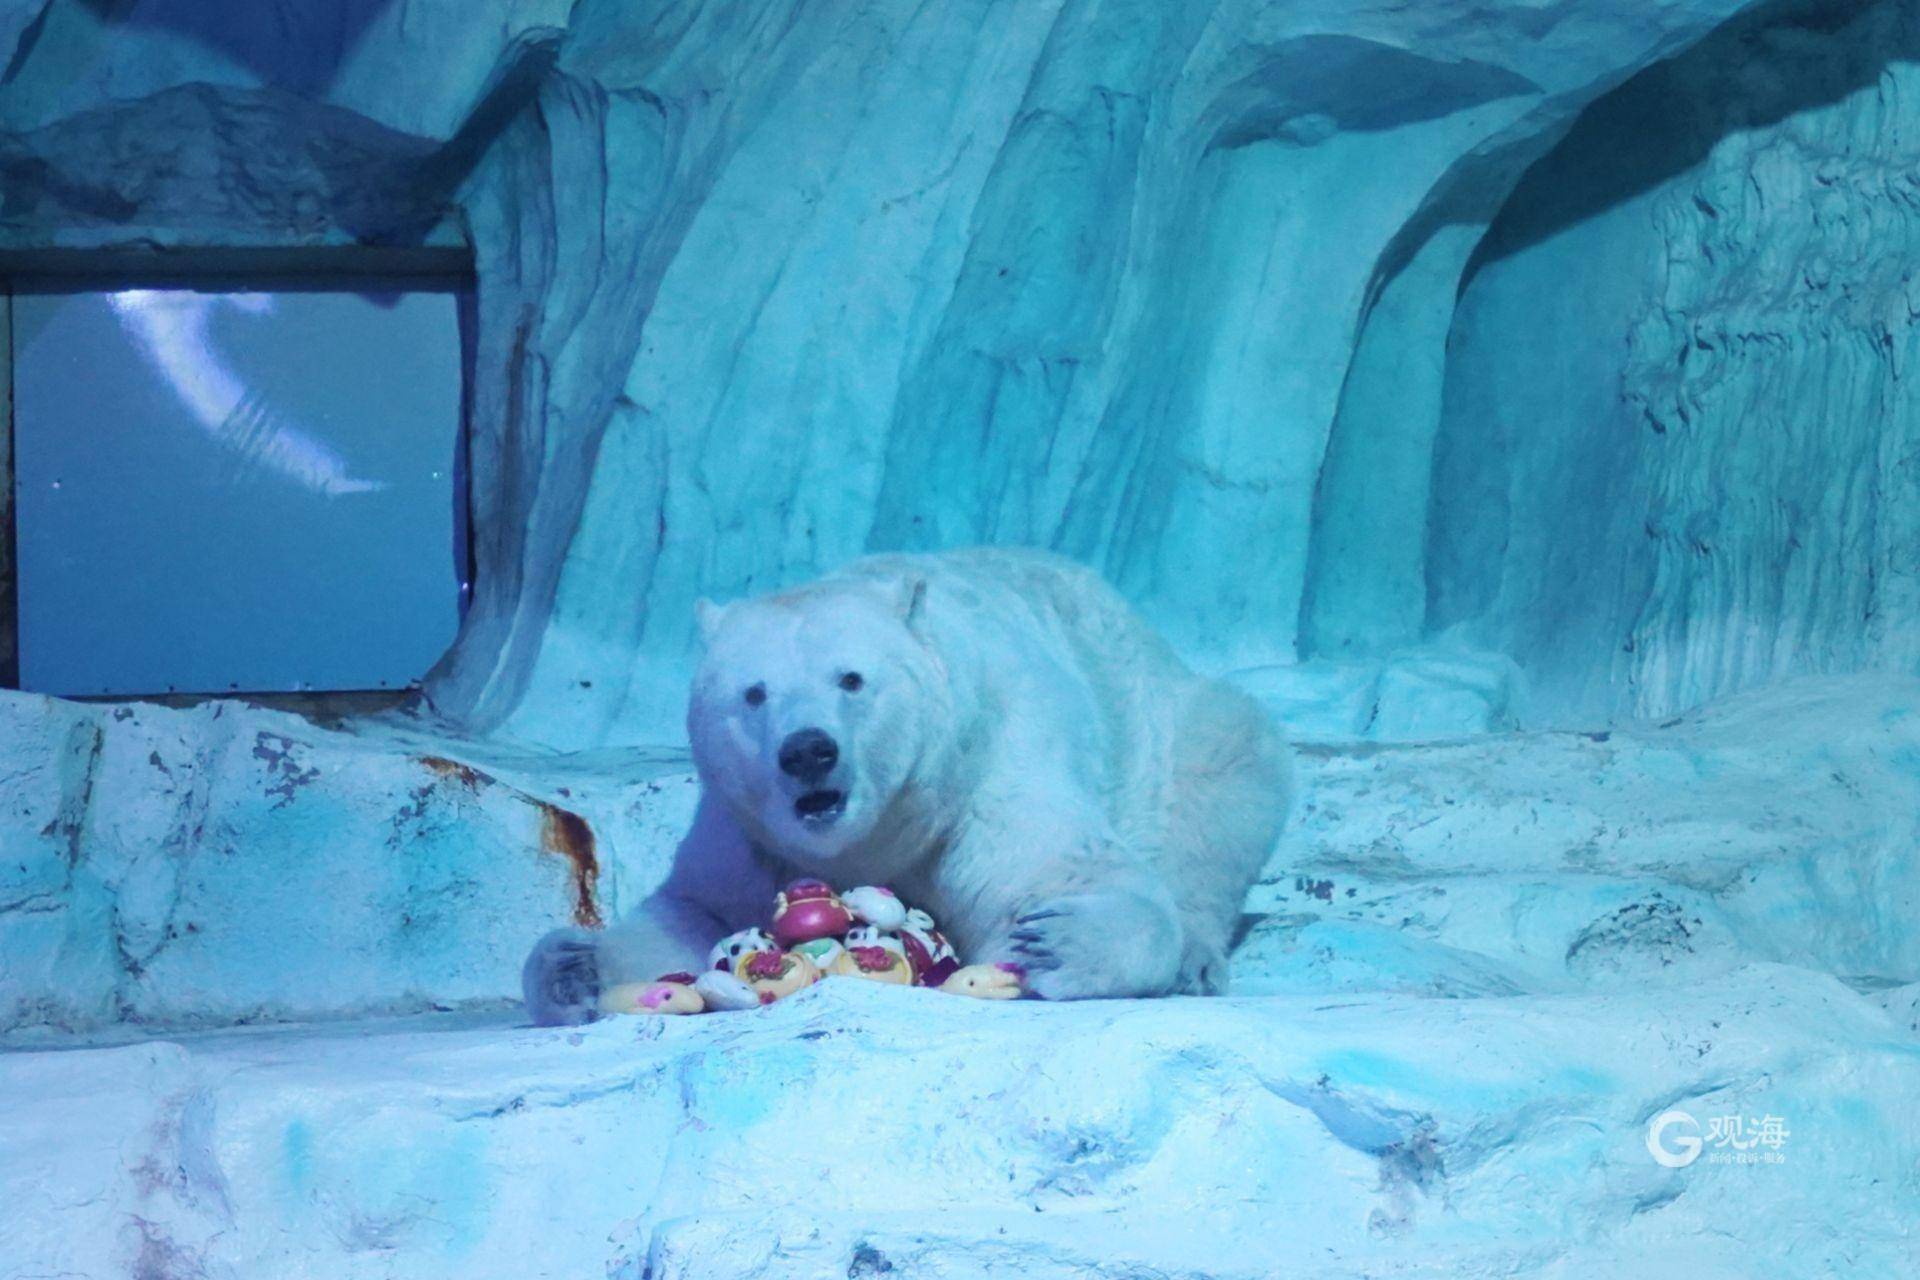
{"x": 240, "y": 490}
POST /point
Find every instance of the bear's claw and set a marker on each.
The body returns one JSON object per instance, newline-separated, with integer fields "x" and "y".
{"x": 1095, "y": 944}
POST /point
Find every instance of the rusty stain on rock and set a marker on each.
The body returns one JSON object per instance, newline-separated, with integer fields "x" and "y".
{"x": 471, "y": 778}
{"x": 567, "y": 834}
{"x": 562, "y": 832}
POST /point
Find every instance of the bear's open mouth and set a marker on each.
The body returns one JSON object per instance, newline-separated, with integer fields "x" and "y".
{"x": 820, "y": 806}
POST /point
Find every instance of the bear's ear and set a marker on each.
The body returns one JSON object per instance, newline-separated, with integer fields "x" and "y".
{"x": 708, "y": 615}
{"x": 911, "y": 602}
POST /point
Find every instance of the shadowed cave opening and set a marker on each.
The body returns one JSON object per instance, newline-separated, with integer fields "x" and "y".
{"x": 1667, "y": 453}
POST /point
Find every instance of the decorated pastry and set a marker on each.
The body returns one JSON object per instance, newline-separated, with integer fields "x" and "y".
{"x": 774, "y": 975}
{"x": 875, "y": 905}
{"x": 985, "y": 981}
{"x": 876, "y": 964}
{"x": 932, "y": 956}
{"x": 730, "y": 950}
{"x": 824, "y": 952}
{"x": 807, "y": 910}
{"x": 722, "y": 989}
{"x": 866, "y": 933}
{"x": 872, "y": 935}
{"x": 672, "y": 994}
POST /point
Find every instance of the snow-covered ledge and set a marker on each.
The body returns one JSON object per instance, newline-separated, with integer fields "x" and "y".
{"x": 860, "y": 1130}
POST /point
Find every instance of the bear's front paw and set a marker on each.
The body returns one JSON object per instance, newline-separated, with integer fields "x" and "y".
{"x": 560, "y": 982}
{"x": 1088, "y": 945}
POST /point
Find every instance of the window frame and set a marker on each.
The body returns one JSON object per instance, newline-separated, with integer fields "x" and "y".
{"x": 432, "y": 268}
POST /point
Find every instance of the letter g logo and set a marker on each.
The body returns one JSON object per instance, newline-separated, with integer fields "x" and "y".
{"x": 1680, "y": 1150}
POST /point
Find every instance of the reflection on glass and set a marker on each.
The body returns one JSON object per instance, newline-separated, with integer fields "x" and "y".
{"x": 169, "y": 326}
{"x": 243, "y": 490}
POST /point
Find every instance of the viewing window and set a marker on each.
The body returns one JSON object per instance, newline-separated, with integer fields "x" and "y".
{"x": 220, "y": 488}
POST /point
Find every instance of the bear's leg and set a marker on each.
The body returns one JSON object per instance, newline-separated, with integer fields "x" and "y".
{"x": 716, "y": 885}
{"x": 1230, "y": 791}
{"x": 1203, "y": 966}
{"x": 1037, "y": 878}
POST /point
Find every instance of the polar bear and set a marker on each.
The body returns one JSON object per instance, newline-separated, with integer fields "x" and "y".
{"x": 992, "y": 732}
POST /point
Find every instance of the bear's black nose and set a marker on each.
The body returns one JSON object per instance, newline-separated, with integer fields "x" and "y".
{"x": 809, "y": 755}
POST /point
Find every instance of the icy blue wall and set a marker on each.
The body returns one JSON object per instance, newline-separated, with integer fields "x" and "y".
{"x": 1091, "y": 278}
{"x": 1167, "y": 287}
{"x": 1678, "y": 449}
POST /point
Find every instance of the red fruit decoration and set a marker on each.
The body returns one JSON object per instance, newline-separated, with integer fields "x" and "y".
{"x": 809, "y": 909}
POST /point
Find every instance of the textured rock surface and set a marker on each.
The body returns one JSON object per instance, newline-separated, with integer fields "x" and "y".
{"x": 226, "y": 864}
{"x": 1677, "y": 456}
{"x": 1776, "y": 826}
{"x": 762, "y": 287}
{"x": 862, "y": 1130}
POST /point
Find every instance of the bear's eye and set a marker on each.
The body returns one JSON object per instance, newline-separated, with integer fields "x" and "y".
{"x": 755, "y": 694}
{"x": 853, "y": 682}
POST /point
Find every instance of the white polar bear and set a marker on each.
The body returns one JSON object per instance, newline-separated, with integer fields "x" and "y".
{"x": 992, "y": 732}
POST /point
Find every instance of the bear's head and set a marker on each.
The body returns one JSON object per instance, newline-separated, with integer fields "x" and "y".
{"x": 817, "y": 717}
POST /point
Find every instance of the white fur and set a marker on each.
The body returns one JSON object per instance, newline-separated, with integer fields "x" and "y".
{"x": 1024, "y": 757}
